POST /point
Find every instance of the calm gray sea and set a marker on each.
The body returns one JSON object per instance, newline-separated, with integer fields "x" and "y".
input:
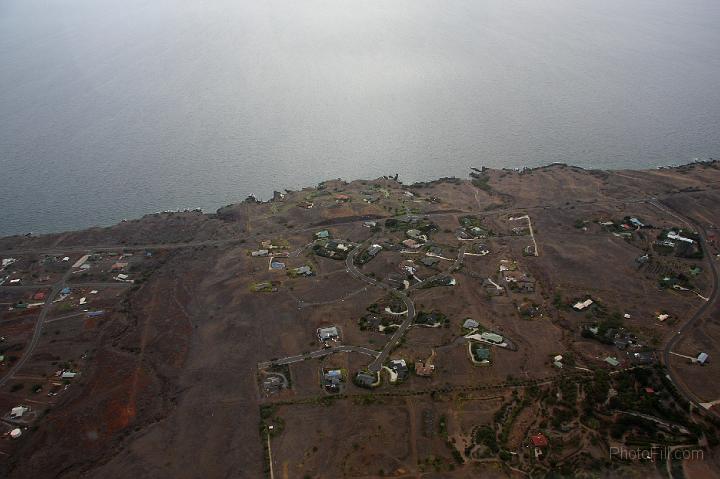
{"x": 114, "y": 109}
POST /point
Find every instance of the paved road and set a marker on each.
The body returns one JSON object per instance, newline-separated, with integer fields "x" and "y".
{"x": 37, "y": 333}
{"x": 114, "y": 284}
{"x": 657, "y": 420}
{"x": 409, "y": 306}
{"x": 704, "y": 308}
{"x": 318, "y": 354}
{"x": 57, "y": 250}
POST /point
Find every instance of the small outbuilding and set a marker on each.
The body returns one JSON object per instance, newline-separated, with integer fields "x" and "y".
{"x": 580, "y": 305}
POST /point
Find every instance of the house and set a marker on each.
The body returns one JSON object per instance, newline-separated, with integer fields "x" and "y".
{"x": 303, "y": 271}
{"x": 612, "y": 361}
{"x": 643, "y": 357}
{"x": 424, "y": 368}
{"x": 336, "y": 245}
{"x": 327, "y": 334}
{"x": 649, "y": 391}
{"x": 507, "y": 265}
{"x": 272, "y": 384}
{"x": 7, "y": 262}
{"x": 492, "y": 337}
{"x": 480, "y": 354}
{"x": 539, "y": 440}
{"x": 479, "y": 249}
{"x": 663, "y": 317}
{"x": 667, "y": 243}
{"x": 702, "y": 357}
{"x": 332, "y": 380}
{"x": 260, "y": 252}
{"x": 678, "y": 237}
{"x": 16, "y": 433}
{"x": 526, "y": 286}
{"x": 416, "y": 235}
{"x": 122, "y": 277}
{"x": 267, "y": 244}
{"x": 637, "y": 222}
{"x": 18, "y": 411}
{"x": 580, "y": 305}
{"x": 411, "y": 243}
{"x": 622, "y": 343}
{"x": 39, "y": 296}
{"x": 470, "y": 324}
{"x": 435, "y": 250}
{"x": 342, "y": 198}
{"x": 365, "y": 380}
{"x": 400, "y": 368}
{"x": 118, "y": 266}
{"x": 558, "y": 364}
{"x": 430, "y": 261}
{"x": 374, "y": 250}
{"x": 67, "y": 375}
{"x": 322, "y": 234}
{"x": 492, "y": 288}
{"x": 65, "y": 290}
{"x": 277, "y": 265}
{"x": 370, "y": 224}
{"x": 477, "y": 231}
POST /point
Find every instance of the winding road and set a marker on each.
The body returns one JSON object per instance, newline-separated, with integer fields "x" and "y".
{"x": 704, "y": 308}
{"x": 394, "y": 341}
{"x": 409, "y": 306}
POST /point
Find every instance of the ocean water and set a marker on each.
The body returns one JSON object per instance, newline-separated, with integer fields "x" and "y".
{"x": 110, "y": 110}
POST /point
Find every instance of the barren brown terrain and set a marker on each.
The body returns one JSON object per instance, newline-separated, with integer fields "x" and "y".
{"x": 524, "y": 323}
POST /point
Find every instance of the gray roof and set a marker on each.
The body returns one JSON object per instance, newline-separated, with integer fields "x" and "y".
{"x": 470, "y": 324}
{"x": 429, "y": 261}
{"x": 328, "y": 333}
{"x": 366, "y": 379}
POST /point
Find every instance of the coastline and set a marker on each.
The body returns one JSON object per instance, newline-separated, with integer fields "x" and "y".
{"x": 39, "y": 231}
